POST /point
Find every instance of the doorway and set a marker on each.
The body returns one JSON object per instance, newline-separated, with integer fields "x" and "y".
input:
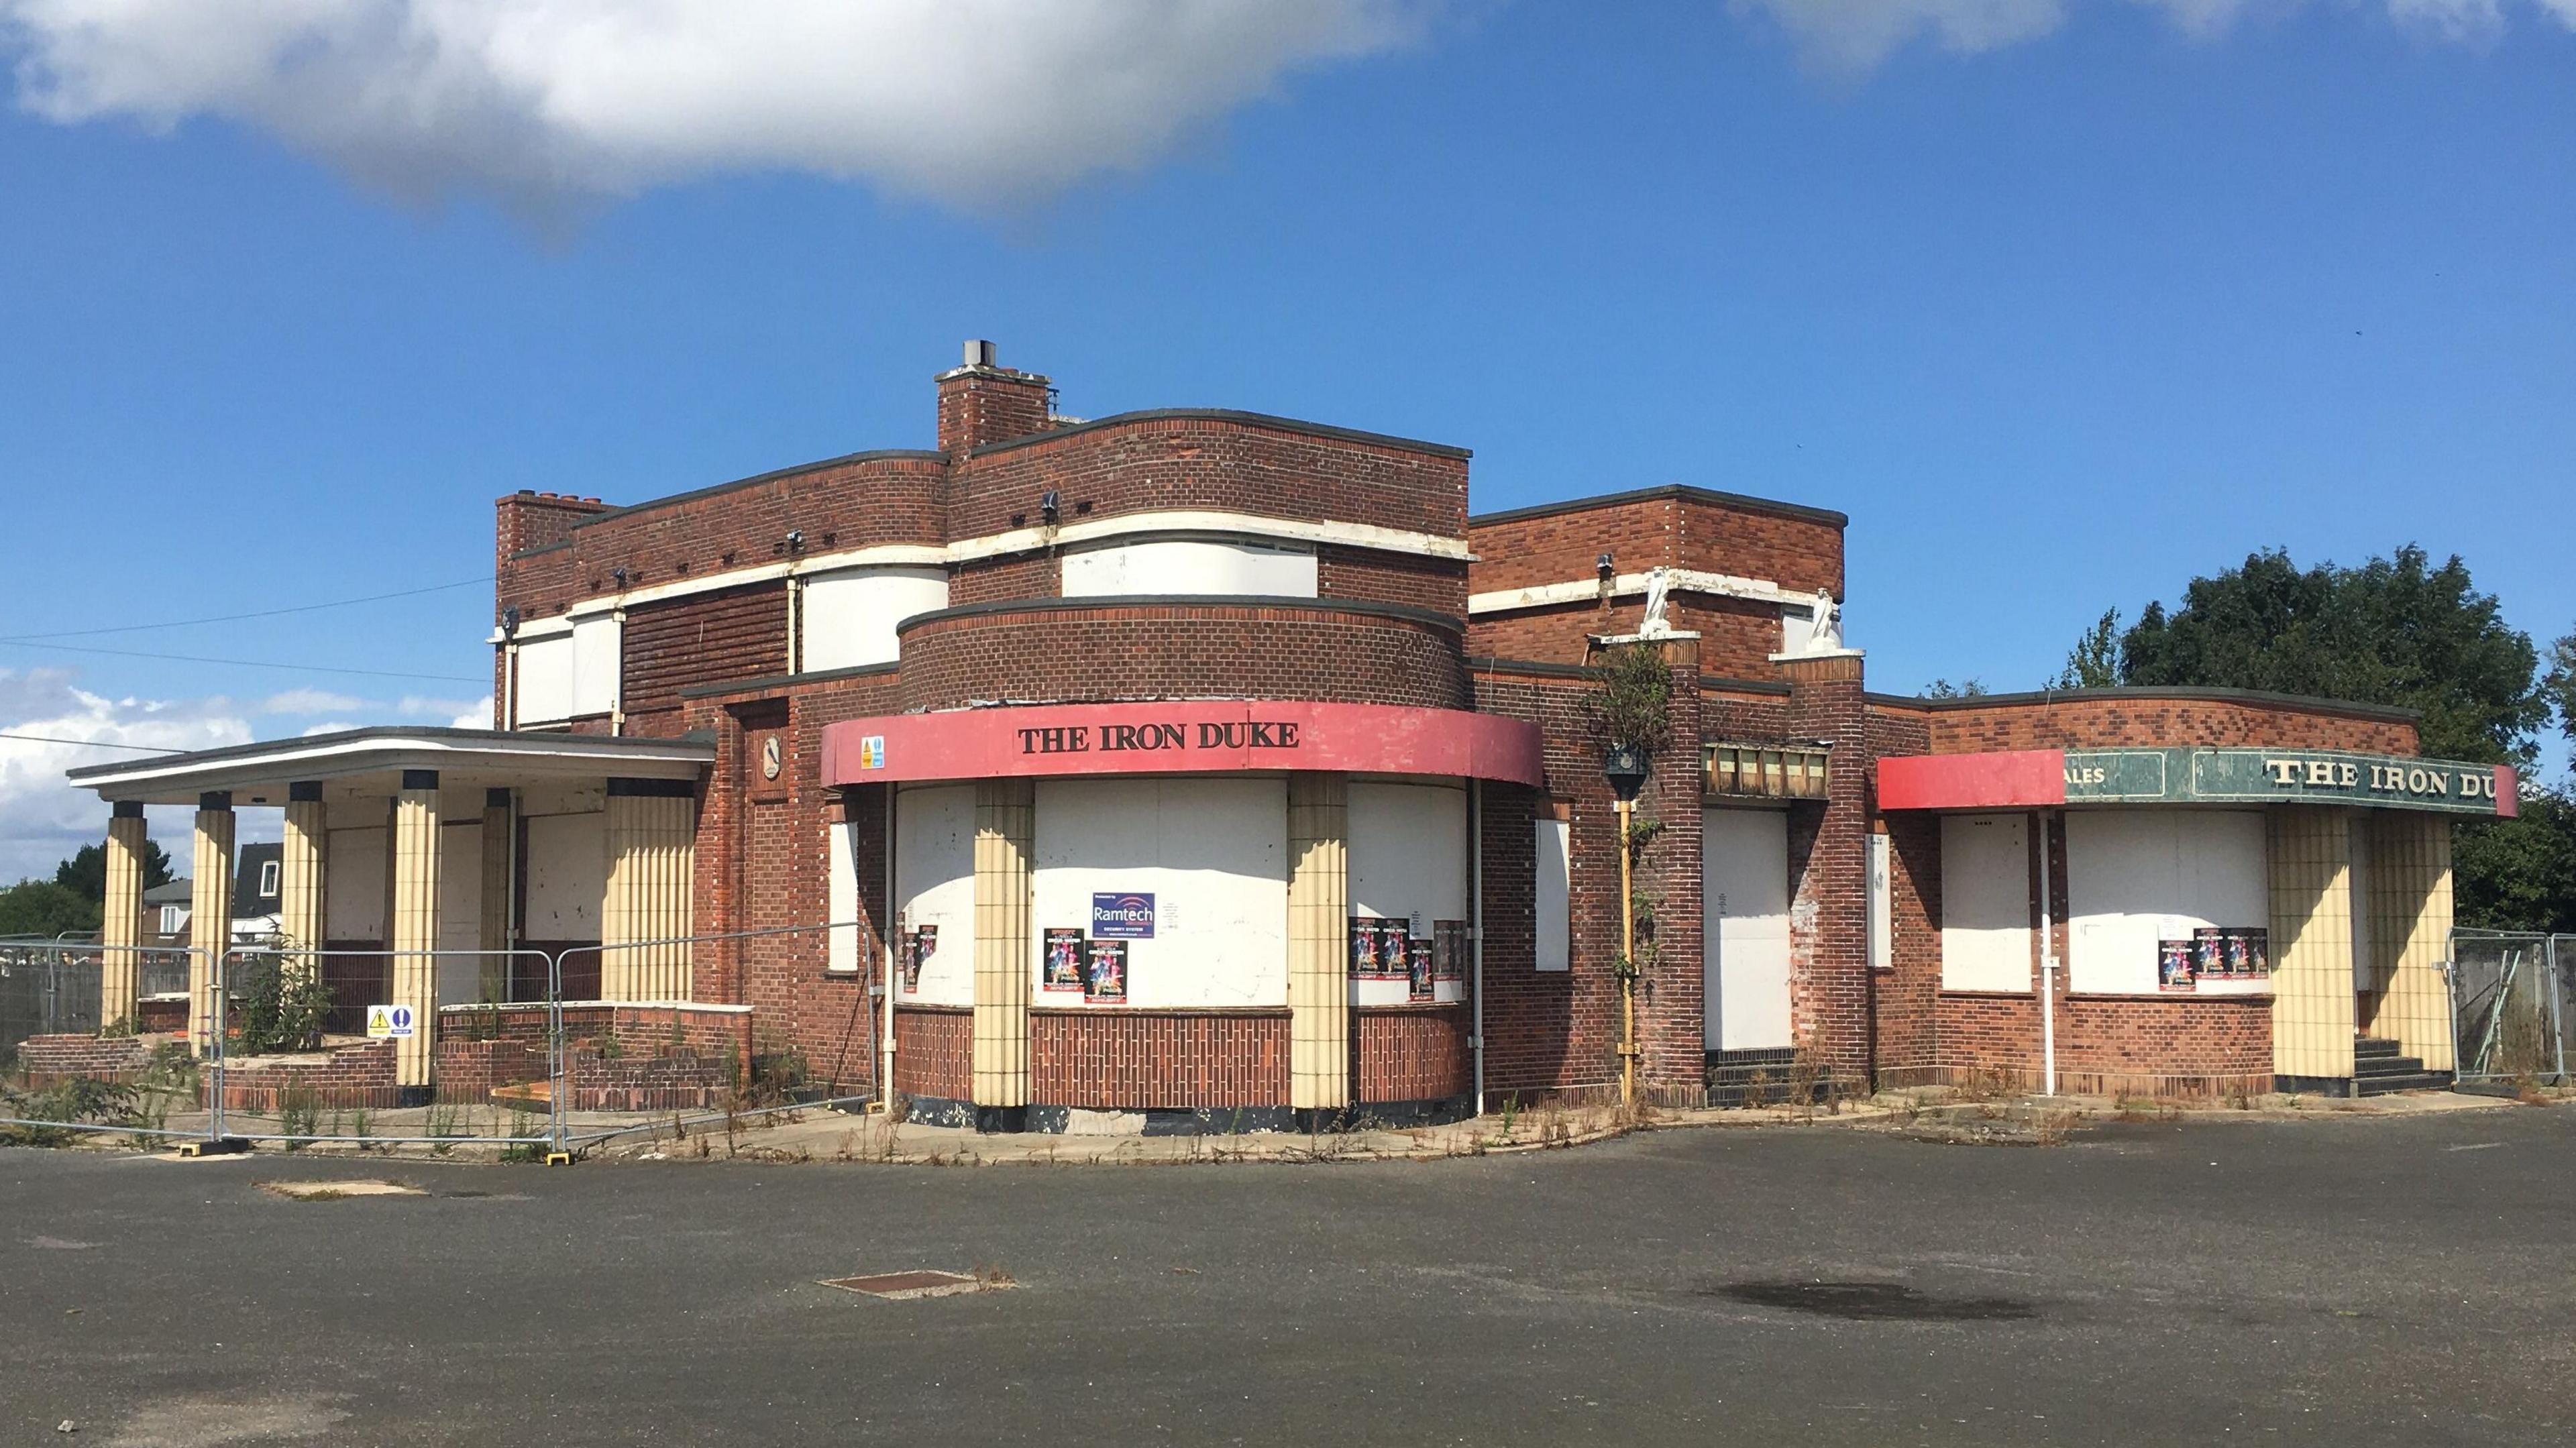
{"x": 1744, "y": 902}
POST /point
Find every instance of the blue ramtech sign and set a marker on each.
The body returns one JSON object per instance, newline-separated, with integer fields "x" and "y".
{"x": 1122, "y": 917}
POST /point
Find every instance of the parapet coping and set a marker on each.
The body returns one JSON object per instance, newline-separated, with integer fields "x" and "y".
{"x": 1226, "y": 414}
{"x": 1366, "y": 607}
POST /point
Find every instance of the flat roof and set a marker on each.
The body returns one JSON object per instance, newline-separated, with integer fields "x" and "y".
{"x": 1683, "y": 491}
{"x": 473, "y": 756}
{"x": 1227, "y": 414}
{"x": 2395, "y": 713}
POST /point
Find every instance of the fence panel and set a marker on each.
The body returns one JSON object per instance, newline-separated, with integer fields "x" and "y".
{"x": 65, "y": 1072}
{"x": 2509, "y": 1006}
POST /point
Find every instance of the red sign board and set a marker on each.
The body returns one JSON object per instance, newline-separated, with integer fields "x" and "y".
{"x": 1176, "y": 738}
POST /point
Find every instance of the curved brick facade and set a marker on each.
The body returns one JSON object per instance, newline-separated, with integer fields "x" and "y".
{"x": 1110, "y": 649}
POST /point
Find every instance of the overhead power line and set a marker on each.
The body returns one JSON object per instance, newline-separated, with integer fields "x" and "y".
{"x": 79, "y": 633}
{"x": 93, "y": 743}
{"x": 245, "y": 663}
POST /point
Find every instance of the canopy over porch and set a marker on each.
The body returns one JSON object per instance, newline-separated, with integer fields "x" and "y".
{"x": 426, "y": 856}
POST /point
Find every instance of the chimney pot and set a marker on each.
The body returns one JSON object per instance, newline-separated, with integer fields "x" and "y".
{"x": 981, "y": 354}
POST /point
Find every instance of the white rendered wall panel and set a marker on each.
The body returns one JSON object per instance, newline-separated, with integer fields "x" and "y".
{"x": 848, "y": 618}
{"x": 1191, "y": 565}
{"x": 567, "y": 869}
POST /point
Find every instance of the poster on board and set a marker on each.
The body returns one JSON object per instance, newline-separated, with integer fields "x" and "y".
{"x": 1363, "y": 947}
{"x": 2209, "y": 953}
{"x": 1105, "y": 979}
{"x": 1394, "y": 944}
{"x": 2249, "y": 953}
{"x": 1064, "y": 960}
{"x": 1417, "y": 971}
{"x": 2173, "y": 965}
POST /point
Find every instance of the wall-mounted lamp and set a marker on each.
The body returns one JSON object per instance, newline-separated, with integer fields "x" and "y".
{"x": 510, "y": 621}
{"x": 618, "y": 577}
{"x": 1050, "y": 507}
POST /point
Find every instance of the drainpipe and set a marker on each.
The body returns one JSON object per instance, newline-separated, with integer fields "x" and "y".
{"x": 885, "y": 943}
{"x": 510, "y": 667}
{"x": 1476, "y": 930}
{"x": 2047, "y": 967}
{"x": 617, "y": 701}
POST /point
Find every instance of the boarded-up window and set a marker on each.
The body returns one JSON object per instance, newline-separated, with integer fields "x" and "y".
{"x": 1408, "y": 862}
{"x": 1214, "y": 855}
{"x": 1555, "y": 904}
{"x": 543, "y": 694}
{"x": 848, "y": 618}
{"x": 2136, "y": 877}
{"x": 1985, "y": 902}
{"x": 934, "y": 879}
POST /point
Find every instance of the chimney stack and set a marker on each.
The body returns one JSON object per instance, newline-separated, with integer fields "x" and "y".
{"x": 981, "y": 401}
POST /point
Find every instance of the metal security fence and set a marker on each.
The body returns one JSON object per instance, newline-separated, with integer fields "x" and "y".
{"x": 263, "y": 1045}
{"x": 2513, "y": 1003}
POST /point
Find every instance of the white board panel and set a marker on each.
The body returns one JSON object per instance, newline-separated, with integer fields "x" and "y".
{"x": 353, "y": 884}
{"x": 2135, "y": 877}
{"x": 1408, "y": 861}
{"x": 545, "y": 686}
{"x": 842, "y": 954}
{"x": 1882, "y": 904}
{"x": 1191, "y": 565}
{"x": 1212, "y": 852}
{"x": 1744, "y": 905}
{"x": 460, "y": 911}
{"x": 848, "y": 618}
{"x": 1554, "y": 894}
{"x": 1985, "y": 902}
{"x": 934, "y": 879}
{"x": 598, "y": 664}
{"x": 567, "y": 869}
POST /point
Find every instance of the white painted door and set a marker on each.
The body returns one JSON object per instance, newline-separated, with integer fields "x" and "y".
{"x": 1744, "y": 900}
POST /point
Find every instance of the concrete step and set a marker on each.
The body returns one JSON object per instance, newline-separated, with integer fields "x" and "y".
{"x": 2368, "y": 1046}
{"x": 2415, "y": 1081}
{"x": 2367, "y": 1067}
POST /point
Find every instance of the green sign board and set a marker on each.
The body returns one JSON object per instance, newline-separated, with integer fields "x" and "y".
{"x": 2278, "y": 776}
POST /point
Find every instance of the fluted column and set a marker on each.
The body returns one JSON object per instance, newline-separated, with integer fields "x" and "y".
{"x": 2409, "y": 885}
{"x": 411, "y": 925}
{"x": 2312, "y": 965}
{"x": 500, "y": 838}
{"x": 652, "y": 829}
{"x": 299, "y": 874}
{"x": 210, "y": 914}
{"x": 1005, "y": 822}
{"x": 121, "y": 929}
{"x": 1319, "y": 892}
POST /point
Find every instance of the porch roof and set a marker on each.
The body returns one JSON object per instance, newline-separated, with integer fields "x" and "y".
{"x": 259, "y": 773}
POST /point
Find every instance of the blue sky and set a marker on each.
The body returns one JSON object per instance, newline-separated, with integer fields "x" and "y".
{"x": 2061, "y": 311}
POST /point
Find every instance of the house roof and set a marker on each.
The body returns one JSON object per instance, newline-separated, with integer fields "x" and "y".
{"x": 248, "y": 901}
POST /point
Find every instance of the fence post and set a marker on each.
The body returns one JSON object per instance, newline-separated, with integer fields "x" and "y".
{"x": 558, "y": 1064}
{"x": 2557, "y": 988}
{"x": 222, "y": 972}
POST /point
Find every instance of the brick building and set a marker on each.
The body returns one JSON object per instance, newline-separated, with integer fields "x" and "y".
{"x": 1191, "y": 766}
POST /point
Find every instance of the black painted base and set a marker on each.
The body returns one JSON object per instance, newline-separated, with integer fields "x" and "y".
{"x": 939, "y": 1111}
{"x": 2315, "y": 1085}
{"x": 409, "y": 1096}
{"x": 1197, "y": 1121}
{"x": 1176, "y": 1121}
{"x": 991, "y": 1119}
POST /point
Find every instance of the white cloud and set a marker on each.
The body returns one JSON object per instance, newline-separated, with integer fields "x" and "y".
{"x": 42, "y": 817}
{"x": 1855, "y": 35}
{"x": 544, "y": 102}
{"x": 328, "y": 726}
{"x": 477, "y": 715}
{"x": 309, "y": 701}
{"x": 416, "y": 706}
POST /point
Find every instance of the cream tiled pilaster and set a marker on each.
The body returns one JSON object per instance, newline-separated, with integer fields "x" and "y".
{"x": 2409, "y": 885}
{"x": 1005, "y": 817}
{"x": 1319, "y": 1010}
{"x": 121, "y": 929}
{"x": 210, "y": 914}
{"x": 411, "y": 926}
{"x": 2312, "y": 964}
{"x": 652, "y": 828}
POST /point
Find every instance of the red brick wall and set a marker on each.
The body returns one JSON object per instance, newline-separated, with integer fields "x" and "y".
{"x": 978, "y": 405}
{"x": 934, "y": 1051}
{"x": 2113, "y": 720}
{"x": 991, "y": 580}
{"x": 1158, "y": 1060}
{"x": 1278, "y": 651}
{"x": 1437, "y": 584}
{"x": 47, "y": 1060}
{"x": 1554, "y": 1033}
{"x": 1674, "y": 529}
{"x": 1737, "y": 636}
{"x": 1202, "y": 462}
{"x": 1413, "y": 1053}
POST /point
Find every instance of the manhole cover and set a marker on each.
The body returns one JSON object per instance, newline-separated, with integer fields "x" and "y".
{"x": 904, "y": 1286}
{"x": 1876, "y": 1302}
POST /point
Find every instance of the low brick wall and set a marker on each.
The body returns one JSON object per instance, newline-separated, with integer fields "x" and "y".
{"x": 48, "y": 1060}
{"x": 647, "y": 1083}
{"x": 1413, "y": 1053}
{"x": 470, "y": 1070}
{"x": 359, "y": 1075}
{"x": 161, "y": 1014}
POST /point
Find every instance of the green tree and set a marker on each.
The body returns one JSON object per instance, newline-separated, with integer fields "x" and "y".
{"x": 2519, "y": 874}
{"x": 85, "y": 873}
{"x": 41, "y": 907}
{"x": 2393, "y": 631}
{"x": 1944, "y": 689}
{"x": 2094, "y": 662}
